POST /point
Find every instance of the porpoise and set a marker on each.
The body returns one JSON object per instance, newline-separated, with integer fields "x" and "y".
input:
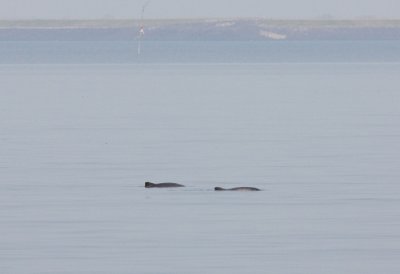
{"x": 237, "y": 189}
{"x": 161, "y": 185}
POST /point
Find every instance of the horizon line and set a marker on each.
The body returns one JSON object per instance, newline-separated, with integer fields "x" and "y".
{"x": 360, "y": 18}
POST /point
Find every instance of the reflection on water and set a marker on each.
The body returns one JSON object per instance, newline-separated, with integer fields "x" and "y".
{"x": 79, "y": 141}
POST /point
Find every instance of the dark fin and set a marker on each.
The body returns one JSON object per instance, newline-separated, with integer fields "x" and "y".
{"x": 219, "y": 188}
{"x": 148, "y": 185}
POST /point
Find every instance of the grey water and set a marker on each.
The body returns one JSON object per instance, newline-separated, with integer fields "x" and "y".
{"x": 124, "y": 52}
{"x": 81, "y": 131}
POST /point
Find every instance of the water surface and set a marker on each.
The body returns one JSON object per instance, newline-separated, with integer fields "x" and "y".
{"x": 78, "y": 141}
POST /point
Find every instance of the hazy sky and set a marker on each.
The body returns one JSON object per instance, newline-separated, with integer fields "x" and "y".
{"x": 90, "y": 9}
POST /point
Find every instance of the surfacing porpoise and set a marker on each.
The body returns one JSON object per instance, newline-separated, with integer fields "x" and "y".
{"x": 161, "y": 185}
{"x": 237, "y": 189}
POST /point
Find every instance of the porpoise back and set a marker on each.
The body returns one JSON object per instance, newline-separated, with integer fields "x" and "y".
{"x": 161, "y": 185}
{"x": 237, "y": 189}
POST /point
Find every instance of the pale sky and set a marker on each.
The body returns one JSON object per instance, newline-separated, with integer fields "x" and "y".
{"x": 131, "y": 9}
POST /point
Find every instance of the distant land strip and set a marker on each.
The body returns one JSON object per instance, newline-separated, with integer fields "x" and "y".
{"x": 251, "y": 29}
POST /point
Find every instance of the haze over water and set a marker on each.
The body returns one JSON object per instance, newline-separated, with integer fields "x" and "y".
{"x": 315, "y": 125}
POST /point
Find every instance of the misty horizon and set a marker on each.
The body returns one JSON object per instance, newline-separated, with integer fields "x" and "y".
{"x": 179, "y": 9}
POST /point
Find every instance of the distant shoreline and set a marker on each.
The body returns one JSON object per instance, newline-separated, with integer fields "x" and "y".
{"x": 118, "y": 23}
{"x": 241, "y": 29}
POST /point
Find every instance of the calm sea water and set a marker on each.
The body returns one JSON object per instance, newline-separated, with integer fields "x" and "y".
{"x": 199, "y": 52}
{"x": 81, "y": 131}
